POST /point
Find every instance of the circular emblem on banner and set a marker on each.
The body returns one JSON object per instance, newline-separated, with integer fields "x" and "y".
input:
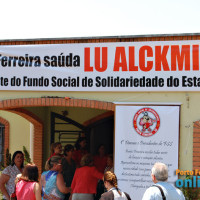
{"x": 146, "y": 122}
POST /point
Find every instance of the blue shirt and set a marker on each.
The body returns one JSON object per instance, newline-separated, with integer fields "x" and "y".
{"x": 49, "y": 186}
{"x": 170, "y": 192}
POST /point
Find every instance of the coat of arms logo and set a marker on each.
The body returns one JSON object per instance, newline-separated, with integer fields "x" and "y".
{"x": 146, "y": 122}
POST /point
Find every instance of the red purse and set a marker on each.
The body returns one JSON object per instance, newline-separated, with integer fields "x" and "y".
{"x": 13, "y": 196}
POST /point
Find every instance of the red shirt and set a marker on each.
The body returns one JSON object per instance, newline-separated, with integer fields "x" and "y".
{"x": 61, "y": 155}
{"x": 85, "y": 180}
{"x": 100, "y": 163}
{"x": 77, "y": 155}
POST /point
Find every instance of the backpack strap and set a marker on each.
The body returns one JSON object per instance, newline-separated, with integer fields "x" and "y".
{"x": 161, "y": 191}
{"x": 127, "y": 196}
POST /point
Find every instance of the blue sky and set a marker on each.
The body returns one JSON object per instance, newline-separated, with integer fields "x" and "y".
{"x": 82, "y": 18}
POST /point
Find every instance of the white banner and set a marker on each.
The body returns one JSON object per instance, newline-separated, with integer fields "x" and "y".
{"x": 144, "y": 135}
{"x": 124, "y": 66}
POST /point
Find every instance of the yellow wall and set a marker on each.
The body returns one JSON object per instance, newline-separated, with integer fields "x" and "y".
{"x": 19, "y": 131}
{"x": 190, "y": 111}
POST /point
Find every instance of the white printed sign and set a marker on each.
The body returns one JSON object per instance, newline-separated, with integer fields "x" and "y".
{"x": 122, "y": 66}
{"x": 144, "y": 135}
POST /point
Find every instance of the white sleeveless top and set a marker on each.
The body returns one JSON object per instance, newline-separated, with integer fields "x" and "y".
{"x": 117, "y": 196}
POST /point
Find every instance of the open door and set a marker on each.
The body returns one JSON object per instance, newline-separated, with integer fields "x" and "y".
{"x": 101, "y": 132}
{"x": 64, "y": 129}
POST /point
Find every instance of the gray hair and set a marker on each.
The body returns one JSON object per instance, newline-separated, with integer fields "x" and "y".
{"x": 160, "y": 171}
{"x": 87, "y": 160}
{"x": 51, "y": 161}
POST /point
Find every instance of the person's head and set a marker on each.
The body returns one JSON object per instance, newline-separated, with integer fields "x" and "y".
{"x": 18, "y": 159}
{"x": 68, "y": 150}
{"x": 56, "y": 148}
{"x": 80, "y": 143}
{"x": 87, "y": 160}
{"x": 54, "y": 163}
{"x": 159, "y": 172}
{"x": 110, "y": 180}
{"x": 30, "y": 173}
{"x": 101, "y": 149}
{"x": 110, "y": 160}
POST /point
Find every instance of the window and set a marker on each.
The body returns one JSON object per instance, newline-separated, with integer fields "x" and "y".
{"x": 2, "y": 128}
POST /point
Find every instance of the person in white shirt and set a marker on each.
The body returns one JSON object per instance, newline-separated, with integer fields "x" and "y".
{"x": 159, "y": 175}
{"x": 113, "y": 193}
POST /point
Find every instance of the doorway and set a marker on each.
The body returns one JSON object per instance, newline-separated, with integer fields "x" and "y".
{"x": 67, "y": 131}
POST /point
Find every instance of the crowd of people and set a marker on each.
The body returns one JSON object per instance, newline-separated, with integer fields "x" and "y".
{"x": 71, "y": 173}
{"x": 74, "y": 174}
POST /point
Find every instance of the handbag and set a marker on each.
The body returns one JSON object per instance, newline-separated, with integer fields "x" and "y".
{"x": 13, "y": 196}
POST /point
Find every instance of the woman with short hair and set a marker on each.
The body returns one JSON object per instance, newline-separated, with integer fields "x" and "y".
{"x": 52, "y": 182}
{"x": 28, "y": 187}
{"x": 85, "y": 179}
{"x": 56, "y": 149}
{"x": 110, "y": 183}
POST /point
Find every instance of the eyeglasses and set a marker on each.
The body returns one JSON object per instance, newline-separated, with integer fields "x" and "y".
{"x": 59, "y": 164}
